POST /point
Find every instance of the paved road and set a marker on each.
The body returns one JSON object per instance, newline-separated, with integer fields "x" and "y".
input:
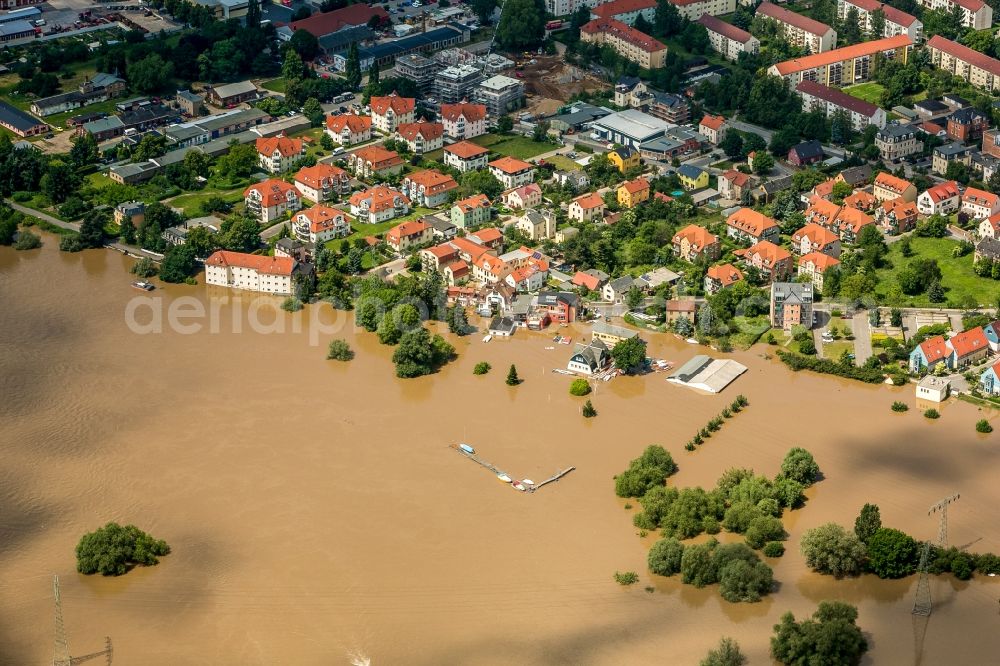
{"x": 72, "y": 226}
{"x": 748, "y": 127}
{"x": 273, "y": 230}
{"x": 862, "y": 337}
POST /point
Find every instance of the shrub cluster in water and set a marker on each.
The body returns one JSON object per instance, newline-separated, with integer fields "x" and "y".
{"x": 112, "y": 550}
{"x": 714, "y": 424}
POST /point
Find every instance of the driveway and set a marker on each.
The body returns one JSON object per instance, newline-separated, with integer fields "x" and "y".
{"x": 862, "y": 337}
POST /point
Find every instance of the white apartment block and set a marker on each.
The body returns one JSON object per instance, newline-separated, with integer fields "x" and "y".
{"x": 692, "y": 10}
{"x": 799, "y": 30}
{"x": 976, "y": 14}
{"x": 726, "y": 39}
{"x": 252, "y": 272}
{"x": 830, "y": 100}
{"x": 897, "y": 22}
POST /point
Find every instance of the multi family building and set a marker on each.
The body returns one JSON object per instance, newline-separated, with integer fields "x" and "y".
{"x": 374, "y": 161}
{"x": 943, "y": 199}
{"x": 749, "y": 226}
{"x": 976, "y": 14}
{"x": 799, "y": 30}
{"x": 694, "y": 242}
{"x": 320, "y": 224}
{"x": 512, "y": 172}
{"x": 626, "y": 11}
{"x": 728, "y": 40}
{"x": 348, "y": 129}
{"x": 278, "y": 153}
{"x": 791, "y": 305}
{"x": 888, "y": 187}
{"x": 466, "y": 156}
{"x": 895, "y": 141}
{"x": 844, "y": 66}
{"x": 252, "y": 272}
{"x": 378, "y": 204}
{"x": 464, "y": 120}
{"x": 271, "y": 200}
{"x": 421, "y": 137}
{"x": 390, "y": 111}
{"x": 830, "y": 101}
{"x": 322, "y": 182}
{"x": 897, "y": 22}
{"x": 429, "y": 188}
{"x": 978, "y": 69}
{"x": 693, "y": 9}
{"x": 626, "y": 41}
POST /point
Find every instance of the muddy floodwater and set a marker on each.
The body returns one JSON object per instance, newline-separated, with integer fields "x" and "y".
{"x": 318, "y": 516}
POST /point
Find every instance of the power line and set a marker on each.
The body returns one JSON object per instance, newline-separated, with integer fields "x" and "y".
{"x": 922, "y": 604}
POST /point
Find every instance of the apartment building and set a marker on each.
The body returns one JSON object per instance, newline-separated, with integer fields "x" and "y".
{"x": 466, "y": 156}
{"x": 976, "y": 14}
{"x": 888, "y": 188}
{"x": 378, "y": 204}
{"x": 374, "y": 160}
{"x": 348, "y": 129}
{"x": 429, "y": 188}
{"x": 830, "y": 100}
{"x": 895, "y": 141}
{"x": 278, "y": 153}
{"x": 322, "y": 182}
{"x": 453, "y": 84}
{"x": 499, "y": 94}
{"x": 271, "y": 199}
{"x": 421, "y": 137}
{"x": 845, "y": 66}
{"x": 252, "y": 272}
{"x": 512, "y": 172}
{"x": 626, "y": 11}
{"x": 728, "y": 40}
{"x": 692, "y": 10}
{"x": 629, "y": 43}
{"x": 978, "y": 69}
{"x": 897, "y": 22}
{"x": 320, "y": 224}
{"x": 390, "y": 111}
{"x": 464, "y": 120}
{"x": 991, "y": 142}
{"x": 799, "y": 30}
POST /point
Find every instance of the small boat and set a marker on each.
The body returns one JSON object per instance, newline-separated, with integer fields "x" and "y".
{"x": 504, "y": 478}
{"x": 563, "y": 372}
{"x": 518, "y": 486}
{"x": 466, "y": 448}
{"x": 550, "y": 347}
{"x": 527, "y": 482}
{"x": 565, "y": 341}
{"x": 144, "y": 286}
{"x": 487, "y": 338}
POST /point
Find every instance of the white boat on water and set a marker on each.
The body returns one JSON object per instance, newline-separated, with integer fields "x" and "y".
{"x": 527, "y": 482}
{"x": 518, "y": 486}
{"x": 466, "y": 448}
{"x": 691, "y": 341}
{"x": 487, "y": 338}
{"x": 504, "y": 478}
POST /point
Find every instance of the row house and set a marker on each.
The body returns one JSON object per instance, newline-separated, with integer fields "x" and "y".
{"x": 830, "y": 101}
{"x": 463, "y": 121}
{"x": 271, "y": 199}
{"x": 429, "y": 188}
{"x": 512, "y": 172}
{"x": 720, "y": 277}
{"x": 278, "y": 153}
{"x": 956, "y": 352}
{"x": 888, "y": 188}
{"x": 348, "y": 129}
{"x": 252, "y": 272}
{"x": 748, "y": 226}
{"x": 634, "y": 192}
{"x": 979, "y": 205}
{"x": 319, "y": 224}
{"x": 896, "y": 216}
{"x": 471, "y": 212}
{"x": 585, "y": 208}
{"x": 727, "y": 40}
{"x": 978, "y": 69}
{"x": 421, "y": 137}
{"x": 466, "y": 156}
{"x": 409, "y": 234}
{"x": 693, "y": 243}
{"x": 799, "y": 30}
{"x": 814, "y": 238}
{"x": 522, "y": 198}
{"x": 843, "y": 66}
{"x": 537, "y": 224}
{"x": 942, "y": 199}
{"x": 815, "y": 265}
{"x": 373, "y": 161}
{"x": 773, "y": 262}
{"x": 378, "y": 204}
{"x": 322, "y": 182}
{"x": 391, "y": 111}
{"x": 976, "y": 14}
{"x": 895, "y": 21}
{"x": 735, "y": 185}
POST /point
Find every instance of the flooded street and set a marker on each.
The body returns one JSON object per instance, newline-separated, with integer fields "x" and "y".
{"x": 316, "y": 511}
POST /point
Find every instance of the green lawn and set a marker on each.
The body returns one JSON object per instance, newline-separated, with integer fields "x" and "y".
{"x": 563, "y": 163}
{"x": 520, "y": 147}
{"x": 957, "y": 276}
{"x": 278, "y": 85}
{"x": 834, "y": 350}
{"x": 191, "y": 203}
{"x": 361, "y": 229}
{"x": 59, "y": 119}
{"x": 871, "y": 92}
{"x": 750, "y": 330}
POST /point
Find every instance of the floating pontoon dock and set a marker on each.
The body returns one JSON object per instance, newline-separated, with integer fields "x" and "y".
{"x": 528, "y": 487}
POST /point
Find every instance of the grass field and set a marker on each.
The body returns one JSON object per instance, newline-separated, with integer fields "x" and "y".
{"x": 871, "y": 92}
{"x": 563, "y": 163}
{"x": 191, "y": 203}
{"x": 957, "y": 276}
{"x": 278, "y": 85}
{"x": 520, "y": 147}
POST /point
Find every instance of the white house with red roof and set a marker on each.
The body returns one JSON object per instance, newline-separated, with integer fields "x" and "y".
{"x": 734, "y": 185}
{"x": 749, "y": 226}
{"x": 976, "y": 14}
{"x": 320, "y": 224}
{"x": 799, "y": 30}
{"x": 378, "y": 204}
{"x": 512, "y": 172}
{"x": 322, "y": 182}
{"x": 990, "y": 227}
{"x": 374, "y": 160}
{"x": 814, "y": 266}
{"x": 429, "y": 188}
{"x": 348, "y": 129}
{"x": 712, "y": 128}
{"x": 391, "y": 111}
{"x": 466, "y": 156}
{"x": 253, "y": 272}
{"x": 978, "y": 204}
{"x": 942, "y": 199}
{"x": 720, "y": 277}
{"x": 463, "y": 121}
{"x": 585, "y": 208}
{"x": 814, "y": 238}
{"x": 408, "y": 234}
{"x": 524, "y": 197}
{"x": 896, "y": 22}
{"x": 271, "y": 199}
{"x": 278, "y": 153}
{"x": 422, "y": 136}
{"x": 728, "y": 40}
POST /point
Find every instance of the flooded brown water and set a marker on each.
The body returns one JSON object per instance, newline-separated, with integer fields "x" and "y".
{"x": 315, "y": 509}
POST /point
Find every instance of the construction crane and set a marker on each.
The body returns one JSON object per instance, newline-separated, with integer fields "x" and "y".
{"x": 62, "y": 656}
{"x": 922, "y": 604}
{"x": 493, "y": 37}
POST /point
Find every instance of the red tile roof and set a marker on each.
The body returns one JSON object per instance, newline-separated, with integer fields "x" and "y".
{"x": 511, "y": 165}
{"x": 738, "y": 178}
{"x": 378, "y": 156}
{"x": 816, "y": 235}
{"x": 935, "y": 349}
{"x": 272, "y": 191}
{"x": 381, "y": 197}
{"x": 727, "y": 30}
{"x": 943, "y": 191}
{"x": 725, "y": 274}
{"x": 587, "y": 280}
{"x": 712, "y": 122}
{"x": 969, "y": 342}
{"x": 472, "y": 112}
{"x": 979, "y": 197}
{"x": 322, "y": 217}
{"x": 838, "y": 55}
{"x": 772, "y": 11}
{"x": 637, "y": 185}
{"x": 750, "y": 221}
{"x": 892, "y": 15}
{"x": 406, "y": 229}
{"x": 287, "y": 147}
{"x": 965, "y": 54}
{"x": 770, "y": 253}
{"x": 837, "y": 98}
{"x": 853, "y": 219}
{"x": 861, "y": 200}
{"x": 616, "y": 7}
{"x": 625, "y": 33}
{"x": 472, "y": 203}
{"x": 427, "y": 130}
{"x": 433, "y": 182}
{"x": 357, "y": 124}
{"x": 819, "y": 260}
{"x": 892, "y": 183}
{"x": 315, "y": 175}
{"x": 466, "y": 150}
{"x": 486, "y": 235}
{"x": 589, "y": 201}
{"x": 258, "y": 262}
{"x": 699, "y": 236}
{"x": 399, "y": 105}
{"x": 330, "y": 22}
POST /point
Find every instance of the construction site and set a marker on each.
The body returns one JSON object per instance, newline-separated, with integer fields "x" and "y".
{"x": 550, "y": 82}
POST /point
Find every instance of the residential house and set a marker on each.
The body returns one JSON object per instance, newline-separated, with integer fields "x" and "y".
{"x": 319, "y": 224}
{"x": 577, "y": 180}
{"x": 894, "y": 142}
{"x": 522, "y": 198}
{"x": 429, "y": 188}
{"x": 888, "y": 187}
{"x": 626, "y": 41}
{"x": 611, "y": 335}
{"x": 968, "y": 347}
{"x": 253, "y": 272}
{"x": 633, "y": 193}
{"x": 831, "y": 100}
{"x": 980, "y": 70}
{"x": 189, "y": 103}
{"x": 863, "y": 201}
{"x": 948, "y": 153}
{"x": 277, "y": 154}
{"x": 942, "y": 199}
{"x": 850, "y": 222}
{"x": 561, "y": 306}
{"x": 443, "y": 229}
{"x": 815, "y": 238}
{"x": 929, "y": 353}
{"x": 615, "y": 290}
{"x": 843, "y": 66}
{"x": 692, "y": 177}
{"x": 464, "y": 120}
{"x": 471, "y": 212}
{"x": 133, "y": 211}
{"x": 987, "y": 248}
{"x": 589, "y": 358}
{"x": 290, "y": 247}
{"x": 799, "y": 30}
{"x": 992, "y": 332}
{"x": 585, "y": 208}
{"x": 675, "y": 309}
{"x": 727, "y": 40}
{"x": 815, "y": 265}
{"x": 694, "y": 242}
{"x": 991, "y": 142}
{"x": 773, "y": 262}
{"x": 978, "y": 204}
{"x": 967, "y": 125}
{"x": 896, "y": 216}
{"x": 378, "y": 204}
{"x": 720, "y": 277}
{"x": 735, "y": 185}
{"x": 989, "y": 380}
{"x": 537, "y": 224}
{"x": 712, "y": 128}
{"x": 373, "y": 161}
{"x": 489, "y": 237}
{"x": 806, "y": 153}
{"x": 466, "y": 156}
{"x": 749, "y": 226}
{"x": 857, "y": 176}
{"x": 528, "y": 278}
{"x": 512, "y": 172}
{"x": 348, "y": 129}
{"x": 791, "y": 304}
{"x": 271, "y": 199}
{"x": 322, "y": 182}
{"x": 593, "y": 279}
{"x": 990, "y": 227}
{"x": 670, "y": 107}
{"x": 404, "y": 236}
{"x": 391, "y": 111}
{"x": 422, "y": 136}
{"x": 624, "y": 158}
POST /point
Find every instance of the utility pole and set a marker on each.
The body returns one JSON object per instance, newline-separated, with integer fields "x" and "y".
{"x": 922, "y": 604}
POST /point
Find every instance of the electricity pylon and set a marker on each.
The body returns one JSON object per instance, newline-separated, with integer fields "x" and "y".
{"x": 922, "y": 604}
{"x": 62, "y": 656}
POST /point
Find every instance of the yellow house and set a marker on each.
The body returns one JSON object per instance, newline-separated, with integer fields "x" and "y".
{"x": 634, "y": 192}
{"x": 692, "y": 178}
{"x": 624, "y": 158}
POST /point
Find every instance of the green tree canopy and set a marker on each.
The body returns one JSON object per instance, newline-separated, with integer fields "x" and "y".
{"x": 830, "y": 637}
{"x": 830, "y": 549}
{"x": 113, "y": 549}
